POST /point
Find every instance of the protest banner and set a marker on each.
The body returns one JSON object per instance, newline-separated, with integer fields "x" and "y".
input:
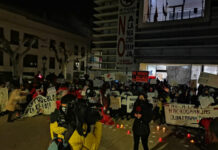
{"x": 124, "y": 96}
{"x": 130, "y": 103}
{"x": 97, "y": 83}
{"x": 188, "y": 115}
{"x": 208, "y": 79}
{"x": 40, "y": 104}
{"x": 115, "y": 102}
{"x": 140, "y": 76}
{"x": 3, "y": 99}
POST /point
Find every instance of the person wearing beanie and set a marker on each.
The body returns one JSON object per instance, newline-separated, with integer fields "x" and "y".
{"x": 142, "y": 111}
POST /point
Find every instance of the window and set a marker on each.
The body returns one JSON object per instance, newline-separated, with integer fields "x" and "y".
{"x": 168, "y": 10}
{"x": 1, "y": 32}
{"x": 76, "y": 50}
{"x": 83, "y": 52}
{"x": 52, "y": 43}
{"x": 30, "y": 61}
{"x": 14, "y": 37}
{"x": 82, "y": 67}
{"x": 52, "y": 63}
{"x": 62, "y": 45}
{"x": 1, "y": 58}
{"x": 28, "y": 37}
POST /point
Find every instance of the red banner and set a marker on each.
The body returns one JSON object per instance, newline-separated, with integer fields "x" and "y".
{"x": 140, "y": 76}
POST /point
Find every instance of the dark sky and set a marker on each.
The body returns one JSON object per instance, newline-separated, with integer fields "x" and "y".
{"x": 59, "y": 11}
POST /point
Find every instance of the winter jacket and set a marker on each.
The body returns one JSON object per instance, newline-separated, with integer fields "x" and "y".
{"x": 14, "y": 99}
{"x": 90, "y": 142}
{"x": 141, "y": 126}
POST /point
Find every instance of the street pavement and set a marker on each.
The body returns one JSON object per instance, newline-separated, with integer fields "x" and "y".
{"x": 33, "y": 134}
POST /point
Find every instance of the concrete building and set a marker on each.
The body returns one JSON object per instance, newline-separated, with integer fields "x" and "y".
{"x": 168, "y": 32}
{"x": 16, "y": 27}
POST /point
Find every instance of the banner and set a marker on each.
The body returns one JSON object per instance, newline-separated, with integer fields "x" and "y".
{"x": 187, "y": 115}
{"x": 130, "y": 103}
{"x": 126, "y": 32}
{"x": 124, "y": 96}
{"x": 98, "y": 83}
{"x": 140, "y": 76}
{"x": 115, "y": 102}
{"x": 109, "y": 76}
{"x": 208, "y": 79}
{"x": 40, "y": 104}
{"x": 3, "y": 99}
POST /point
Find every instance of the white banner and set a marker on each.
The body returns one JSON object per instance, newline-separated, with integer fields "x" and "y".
{"x": 41, "y": 104}
{"x": 187, "y": 115}
{"x": 3, "y": 98}
{"x": 208, "y": 79}
{"x": 130, "y": 103}
{"x": 126, "y": 32}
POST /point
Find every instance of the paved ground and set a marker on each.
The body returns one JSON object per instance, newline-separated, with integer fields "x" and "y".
{"x": 33, "y": 134}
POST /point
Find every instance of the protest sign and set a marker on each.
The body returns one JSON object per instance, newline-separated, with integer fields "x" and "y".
{"x": 98, "y": 83}
{"x": 109, "y": 76}
{"x": 121, "y": 77}
{"x": 40, "y": 104}
{"x": 140, "y": 76}
{"x": 153, "y": 81}
{"x": 188, "y": 115}
{"x": 208, "y": 79}
{"x": 130, "y": 103}
{"x": 124, "y": 96}
{"x": 115, "y": 102}
{"x": 3, "y": 98}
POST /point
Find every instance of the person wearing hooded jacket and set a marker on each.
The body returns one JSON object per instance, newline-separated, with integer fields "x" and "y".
{"x": 142, "y": 111}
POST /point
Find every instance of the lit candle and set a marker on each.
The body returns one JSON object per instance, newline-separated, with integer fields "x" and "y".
{"x": 121, "y": 126}
{"x": 158, "y": 128}
{"x": 164, "y": 129}
{"x": 192, "y": 141}
{"x": 118, "y": 126}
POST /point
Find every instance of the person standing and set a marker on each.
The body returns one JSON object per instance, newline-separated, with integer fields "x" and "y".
{"x": 213, "y": 129}
{"x": 16, "y": 97}
{"x": 142, "y": 112}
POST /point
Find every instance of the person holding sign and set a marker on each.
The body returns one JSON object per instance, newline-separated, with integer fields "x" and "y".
{"x": 142, "y": 112}
{"x": 16, "y": 97}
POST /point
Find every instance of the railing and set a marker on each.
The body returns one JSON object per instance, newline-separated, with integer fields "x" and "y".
{"x": 172, "y": 15}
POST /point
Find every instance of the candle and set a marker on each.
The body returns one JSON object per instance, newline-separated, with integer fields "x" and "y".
{"x": 158, "y": 128}
{"x": 121, "y": 126}
{"x": 164, "y": 129}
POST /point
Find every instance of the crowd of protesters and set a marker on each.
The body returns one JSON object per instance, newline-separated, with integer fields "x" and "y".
{"x": 163, "y": 93}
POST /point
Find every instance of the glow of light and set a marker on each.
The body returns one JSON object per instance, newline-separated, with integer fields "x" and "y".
{"x": 118, "y": 126}
{"x": 164, "y": 129}
{"x": 188, "y": 135}
{"x": 128, "y": 132}
{"x": 160, "y": 140}
{"x": 121, "y": 126}
{"x": 40, "y": 76}
{"x": 192, "y": 141}
{"x": 158, "y": 128}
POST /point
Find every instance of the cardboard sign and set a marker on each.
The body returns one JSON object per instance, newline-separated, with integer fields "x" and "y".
{"x": 40, "y": 104}
{"x": 153, "y": 81}
{"x": 140, "y": 76}
{"x": 3, "y": 98}
{"x": 130, "y": 103}
{"x": 187, "y": 115}
{"x": 208, "y": 79}
{"x": 115, "y": 102}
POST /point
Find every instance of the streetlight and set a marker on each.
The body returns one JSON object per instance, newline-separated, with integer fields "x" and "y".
{"x": 44, "y": 59}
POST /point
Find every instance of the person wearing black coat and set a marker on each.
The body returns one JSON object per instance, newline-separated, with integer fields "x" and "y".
{"x": 142, "y": 111}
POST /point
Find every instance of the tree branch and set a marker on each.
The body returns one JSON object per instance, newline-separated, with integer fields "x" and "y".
{"x": 32, "y": 40}
{"x": 5, "y": 46}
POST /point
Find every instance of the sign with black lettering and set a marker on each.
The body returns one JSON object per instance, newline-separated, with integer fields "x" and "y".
{"x": 140, "y": 76}
{"x": 188, "y": 115}
{"x": 41, "y": 104}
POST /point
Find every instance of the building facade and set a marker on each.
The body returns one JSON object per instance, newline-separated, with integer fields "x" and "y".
{"x": 41, "y": 58}
{"x": 130, "y": 32}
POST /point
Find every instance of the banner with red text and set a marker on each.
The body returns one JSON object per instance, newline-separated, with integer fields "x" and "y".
{"x": 126, "y": 32}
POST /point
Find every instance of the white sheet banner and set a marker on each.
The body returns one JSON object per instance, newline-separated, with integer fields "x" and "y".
{"x": 187, "y": 115}
{"x": 41, "y": 104}
{"x": 3, "y": 98}
{"x": 208, "y": 79}
{"x": 130, "y": 103}
{"x": 126, "y": 32}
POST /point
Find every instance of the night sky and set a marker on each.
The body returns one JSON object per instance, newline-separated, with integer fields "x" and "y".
{"x": 61, "y": 11}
